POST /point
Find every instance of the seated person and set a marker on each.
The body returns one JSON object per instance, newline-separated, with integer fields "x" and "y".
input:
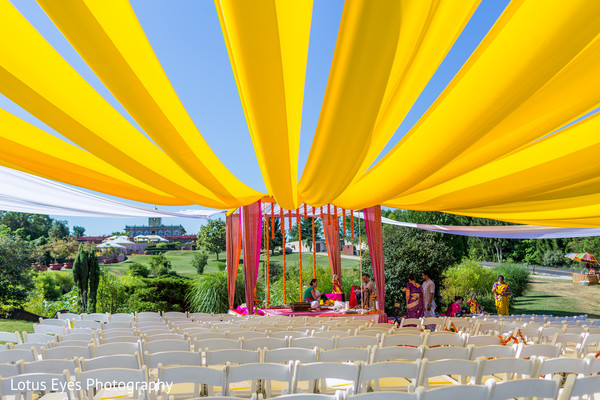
{"x": 336, "y": 287}
{"x": 474, "y": 307}
{"x": 312, "y": 295}
{"x": 454, "y": 309}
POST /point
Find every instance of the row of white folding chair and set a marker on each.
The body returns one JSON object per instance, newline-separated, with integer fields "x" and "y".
{"x": 10, "y": 337}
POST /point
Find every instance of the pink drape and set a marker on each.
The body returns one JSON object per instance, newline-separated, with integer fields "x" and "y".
{"x": 374, "y": 237}
{"x": 234, "y": 249}
{"x": 251, "y": 238}
{"x": 332, "y": 240}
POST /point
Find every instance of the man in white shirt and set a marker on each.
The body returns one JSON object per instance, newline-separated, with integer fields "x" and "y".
{"x": 428, "y": 295}
{"x": 366, "y": 290}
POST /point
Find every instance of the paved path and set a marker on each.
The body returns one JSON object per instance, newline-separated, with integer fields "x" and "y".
{"x": 348, "y": 256}
{"x": 555, "y": 272}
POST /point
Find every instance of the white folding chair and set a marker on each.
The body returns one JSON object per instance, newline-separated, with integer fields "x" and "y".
{"x": 447, "y": 352}
{"x": 68, "y": 316}
{"x": 538, "y": 350}
{"x": 72, "y": 343}
{"x": 433, "y": 323}
{"x": 96, "y": 380}
{"x": 495, "y": 351}
{"x": 563, "y": 365}
{"x": 287, "y": 334}
{"x": 48, "y": 366}
{"x": 55, "y": 322}
{"x": 111, "y": 349}
{"x": 13, "y": 337}
{"x": 205, "y": 335}
{"x": 28, "y": 346}
{"x": 268, "y": 343}
{"x": 334, "y": 375}
{"x": 22, "y": 386}
{"x": 581, "y": 386}
{"x": 538, "y": 388}
{"x": 483, "y": 340}
{"x": 443, "y": 339}
{"x": 383, "y": 396}
{"x": 346, "y": 355}
{"x": 357, "y": 341}
{"x": 508, "y": 367}
{"x": 87, "y": 324}
{"x": 287, "y": 354}
{"x": 246, "y": 335}
{"x": 217, "y": 344}
{"x": 50, "y": 329}
{"x": 483, "y": 392}
{"x": 389, "y": 375}
{"x": 122, "y": 317}
{"x": 570, "y": 342}
{"x": 131, "y": 361}
{"x": 173, "y": 358}
{"x": 402, "y": 340}
{"x": 76, "y": 336}
{"x": 119, "y": 339}
{"x": 465, "y": 369}
{"x": 117, "y": 325}
{"x": 396, "y": 353}
{"x": 14, "y": 355}
{"x": 311, "y": 342}
{"x": 255, "y": 373}
{"x": 590, "y": 344}
{"x": 410, "y": 321}
{"x": 166, "y": 345}
{"x": 547, "y": 334}
{"x": 488, "y": 328}
{"x": 98, "y": 317}
{"x": 8, "y": 370}
{"x": 531, "y": 334}
{"x": 233, "y": 356}
{"x": 197, "y": 375}
{"x": 37, "y": 338}
{"x": 66, "y": 352}
{"x": 161, "y": 337}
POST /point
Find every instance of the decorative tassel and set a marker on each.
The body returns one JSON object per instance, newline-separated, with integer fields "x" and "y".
{"x": 268, "y": 277}
{"x": 282, "y": 217}
{"x": 272, "y": 220}
{"x": 329, "y": 213}
{"x": 305, "y": 212}
{"x": 344, "y": 219}
{"x": 321, "y": 212}
{"x": 314, "y": 247}
{"x": 290, "y": 220}
{"x": 352, "y": 223}
{"x": 299, "y": 249}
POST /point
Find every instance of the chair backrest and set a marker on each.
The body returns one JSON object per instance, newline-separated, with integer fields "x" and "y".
{"x": 464, "y": 368}
{"x": 217, "y": 344}
{"x": 118, "y": 332}
{"x": 72, "y": 343}
{"x": 87, "y": 324}
{"x": 246, "y": 335}
{"x": 193, "y": 374}
{"x": 37, "y": 338}
{"x": 173, "y": 358}
{"x": 51, "y": 329}
{"x": 483, "y": 340}
{"x": 488, "y": 327}
{"x": 311, "y": 342}
{"x": 119, "y": 339}
{"x": 396, "y": 369}
{"x": 7, "y": 370}
{"x": 68, "y": 316}
{"x": 539, "y": 388}
{"x": 483, "y": 392}
{"x": 401, "y": 340}
{"x": 446, "y": 352}
{"x": 567, "y": 365}
{"x": 539, "y": 350}
{"x": 263, "y": 342}
{"x": 351, "y": 354}
{"x": 164, "y": 336}
{"x": 397, "y": 353}
{"x": 287, "y": 354}
{"x": 234, "y": 356}
{"x": 81, "y": 330}
{"x": 121, "y": 317}
{"x": 259, "y": 371}
{"x": 55, "y": 322}
{"x": 167, "y": 345}
{"x": 76, "y": 336}
{"x": 48, "y": 366}
{"x": 443, "y": 339}
{"x": 357, "y": 341}
{"x": 89, "y": 381}
{"x": 66, "y": 352}
{"x": 290, "y": 334}
{"x": 99, "y": 317}
{"x": 23, "y": 385}
{"x": 325, "y": 370}
{"x": 117, "y": 325}
{"x": 381, "y": 396}
{"x": 510, "y": 366}
{"x": 581, "y": 386}
{"x": 28, "y": 346}
{"x": 14, "y": 355}
{"x": 131, "y": 361}
{"x": 531, "y": 333}
{"x": 13, "y": 337}
{"x": 205, "y": 335}
{"x": 410, "y": 321}
{"x": 110, "y": 349}
{"x": 494, "y": 351}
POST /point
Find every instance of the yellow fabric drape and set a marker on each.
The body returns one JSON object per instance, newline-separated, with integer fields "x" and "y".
{"x": 362, "y": 62}
{"x": 36, "y": 77}
{"x": 32, "y": 150}
{"x": 428, "y": 29}
{"x": 110, "y": 39}
{"x": 525, "y": 61}
{"x": 267, "y": 43}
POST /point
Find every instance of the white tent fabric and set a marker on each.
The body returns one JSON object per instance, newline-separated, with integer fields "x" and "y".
{"x": 27, "y": 193}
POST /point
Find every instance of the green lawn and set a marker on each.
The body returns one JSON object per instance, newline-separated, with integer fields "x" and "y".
{"x": 181, "y": 262}
{"x": 8, "y": 325}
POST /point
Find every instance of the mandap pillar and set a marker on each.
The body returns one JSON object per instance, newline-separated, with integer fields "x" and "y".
{"x": 251, "y": 218}
{"x": 233, "y": 250}
{"x": 374, "y": 238}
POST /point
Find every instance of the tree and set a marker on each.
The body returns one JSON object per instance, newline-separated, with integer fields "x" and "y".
{"x": 212, "y": 236}
{"x": 31, "y": 226}
{"x": 63, "y": 249}
{"x": 199, "y": 261}
{"x": 407, "y": 250}
{"x": 81, "y": 276}
{"x": 306, "y": 231}
{"x": 59, "y": 230}
{"x": 15, "y": 267}
{"x": 160, "y": 265}
{"x": 78, "y": 231}
{"x": 94, "y": 279}
{"x": 278, "y": 239}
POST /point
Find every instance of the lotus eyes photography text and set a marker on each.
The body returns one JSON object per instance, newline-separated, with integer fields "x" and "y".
{"x": 58, "y": 385}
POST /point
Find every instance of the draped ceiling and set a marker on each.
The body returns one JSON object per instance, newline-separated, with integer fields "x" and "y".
{"x": 504, "y": 140}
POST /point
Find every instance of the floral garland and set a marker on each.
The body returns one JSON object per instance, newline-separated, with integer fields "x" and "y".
{"x": 504, "y": 342}
{"x": 452, "y": 328}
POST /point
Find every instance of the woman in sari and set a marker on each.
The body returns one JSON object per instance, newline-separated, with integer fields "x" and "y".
{"x": 501, "y": 291}
{"x": 414, "y": 298}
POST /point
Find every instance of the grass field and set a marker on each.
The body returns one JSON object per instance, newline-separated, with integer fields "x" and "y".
{"x": 181, "y": 262}
{"x": 559, "y": 298}
{"x": 7, "y": 325}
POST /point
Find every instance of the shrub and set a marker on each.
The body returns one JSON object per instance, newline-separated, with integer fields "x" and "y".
{"x": 517, "y": 276}
{"x": 159, "y": 294}
{"x": 52, "y": 285}
{"x": 160, "y": 265}
{"x": 112, "y": 293}
{"x": 38, "y": 305}
{"x": 199, "y": 261}
{"x": 554, "y": 258}
{"x": 466, "y": 278}
{"x": 137, "y": 269}
{"x": 221, "y": 266}
{"x": 208, "y": 293}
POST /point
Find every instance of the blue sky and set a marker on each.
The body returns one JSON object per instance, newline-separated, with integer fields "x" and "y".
{"x": 187, "y": 39}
